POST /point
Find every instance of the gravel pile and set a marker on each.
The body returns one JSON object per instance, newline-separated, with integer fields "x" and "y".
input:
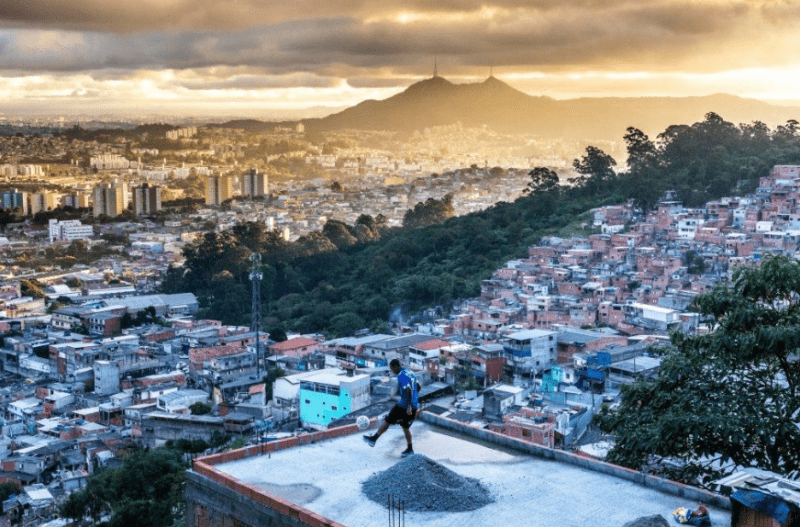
{"x": 424, "y": 485}
{"x": 648, "y": 521}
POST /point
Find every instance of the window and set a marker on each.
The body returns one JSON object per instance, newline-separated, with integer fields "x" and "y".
{"x": 526, "y": 433}
{"x": 308, "y": 402}
{"x": 333, "y": 408}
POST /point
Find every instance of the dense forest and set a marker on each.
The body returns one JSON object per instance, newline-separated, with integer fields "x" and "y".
{"x": 349, "y": 277}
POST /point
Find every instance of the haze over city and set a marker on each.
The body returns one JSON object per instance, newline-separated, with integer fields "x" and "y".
{"x": 255, "y": 58}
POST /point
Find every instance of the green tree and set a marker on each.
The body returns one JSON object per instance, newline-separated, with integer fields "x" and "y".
{"x": 728, "y": 396}
{"x": 644, "y": 188}
{"x": 545, "y": 189}
{"x": 147, "y": 490}
{"x": 429, "y": 212}
{"x": 339, "y": 234}
{"x": 276, "y": 333}
{"x": 7, "y": 489}
{"x": 346, "y": 324}
{"x": 543, "y": 181}
{"x": 200, "y": 408}
{"x": 594, "y": 169}
{"x": 251, "y": 234}
{"x": 74, "y": 282}
{"x": 694, "y": 263}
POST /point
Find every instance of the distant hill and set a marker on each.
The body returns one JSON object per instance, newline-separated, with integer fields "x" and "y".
{"x": 437, "y": 101}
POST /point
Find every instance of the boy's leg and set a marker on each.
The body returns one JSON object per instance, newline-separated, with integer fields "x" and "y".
{"x": 371, "y": 439}
{"x": 381, "y": 429}
{"x": 407, "y": 433}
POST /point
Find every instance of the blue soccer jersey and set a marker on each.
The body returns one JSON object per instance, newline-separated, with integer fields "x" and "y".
{"x": 405, "y": 380}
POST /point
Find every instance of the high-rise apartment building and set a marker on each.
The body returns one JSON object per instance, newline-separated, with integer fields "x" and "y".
{"x": 254, "y": 183}
{"x": 14, "y": 199}
{"x": 108, "y": 200}
{"x": 146, "y": 199}
{"x": 218, "y": 189}
{"x": 43, "y": 201}
{"x": 79, "y": 200}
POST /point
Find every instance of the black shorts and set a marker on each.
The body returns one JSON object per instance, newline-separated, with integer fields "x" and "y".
{"x": 400, "y": 416}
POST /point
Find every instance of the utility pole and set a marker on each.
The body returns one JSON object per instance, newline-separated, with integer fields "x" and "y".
{"x": 255, "y": 310}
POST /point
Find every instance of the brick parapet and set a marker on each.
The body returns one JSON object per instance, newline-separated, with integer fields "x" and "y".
{"x": 288, "y": 513}
{"x": 272, "y": 511}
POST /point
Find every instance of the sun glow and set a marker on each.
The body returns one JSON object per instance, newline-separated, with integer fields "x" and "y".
{"x": 484, "y": 14}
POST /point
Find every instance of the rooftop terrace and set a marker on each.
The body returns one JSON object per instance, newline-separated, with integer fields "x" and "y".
{"x": 320, "y": 482}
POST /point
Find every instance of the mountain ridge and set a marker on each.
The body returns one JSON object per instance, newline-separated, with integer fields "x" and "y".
{"x": 436, "y": 101}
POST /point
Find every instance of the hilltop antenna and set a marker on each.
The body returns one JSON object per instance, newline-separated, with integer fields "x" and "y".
{"x": 435, "y": 67}
{"x": 255, "y": 310}
{"x": 491, "y": 69}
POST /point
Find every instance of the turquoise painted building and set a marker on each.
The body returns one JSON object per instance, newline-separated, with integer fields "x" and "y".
{"x": 328, "y": 396}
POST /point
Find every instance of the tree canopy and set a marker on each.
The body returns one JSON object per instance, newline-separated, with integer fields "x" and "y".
{"x": 429, "y": 212}
{"x": 729, "y": 396}
{"x": 146, "y": 491}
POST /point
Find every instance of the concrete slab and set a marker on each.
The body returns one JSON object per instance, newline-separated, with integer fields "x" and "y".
{"x": 326, "y": 478}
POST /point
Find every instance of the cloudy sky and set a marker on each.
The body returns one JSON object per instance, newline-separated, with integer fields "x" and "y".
{"x": 246, "y": 57}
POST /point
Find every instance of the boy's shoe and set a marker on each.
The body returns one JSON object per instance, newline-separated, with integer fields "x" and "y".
{"x": 370, "y": 440}
{"x": 407, "y": 452}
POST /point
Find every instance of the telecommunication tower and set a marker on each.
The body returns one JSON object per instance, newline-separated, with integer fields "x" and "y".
{"x": 255, "y": 310}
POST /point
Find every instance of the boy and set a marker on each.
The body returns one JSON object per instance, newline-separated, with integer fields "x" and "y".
{"x": 404, "y": 412}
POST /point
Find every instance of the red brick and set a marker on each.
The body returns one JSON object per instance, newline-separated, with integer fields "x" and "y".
{"x": 289, "y": 442}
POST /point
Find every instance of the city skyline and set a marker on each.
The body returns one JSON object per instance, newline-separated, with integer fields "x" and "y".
{"x": 252, "y": 58}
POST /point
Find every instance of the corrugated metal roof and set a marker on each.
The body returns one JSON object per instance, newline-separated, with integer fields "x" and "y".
{"x": 784, "y": 487}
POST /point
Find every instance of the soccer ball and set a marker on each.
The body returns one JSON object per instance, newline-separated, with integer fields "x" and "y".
{"x": 362, "y": 422}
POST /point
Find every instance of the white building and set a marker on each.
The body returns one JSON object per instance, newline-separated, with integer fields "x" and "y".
{"x": 180, "y": 401}
{"x": 531, "y": 350}
{"x": 182, "y": 133}
{"x": 687, "y": 228}
{"x": 106, "y": 377}
{"x": 109, "y": 162}
{"x": 30, "y": 170}
{"x": 69, "y": 230}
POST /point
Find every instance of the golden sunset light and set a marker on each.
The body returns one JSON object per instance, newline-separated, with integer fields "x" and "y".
{"x": 210, "y": 57}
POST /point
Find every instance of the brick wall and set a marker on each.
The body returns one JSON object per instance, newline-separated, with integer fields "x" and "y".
{"x": 215, "y": 499}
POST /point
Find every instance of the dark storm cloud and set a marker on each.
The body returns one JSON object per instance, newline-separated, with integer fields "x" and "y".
{"x": 146, "y": 15}
{"x": 533, "y": 34}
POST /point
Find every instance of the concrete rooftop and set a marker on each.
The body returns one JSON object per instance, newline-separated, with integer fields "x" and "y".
{"x": 325, "y": 477}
